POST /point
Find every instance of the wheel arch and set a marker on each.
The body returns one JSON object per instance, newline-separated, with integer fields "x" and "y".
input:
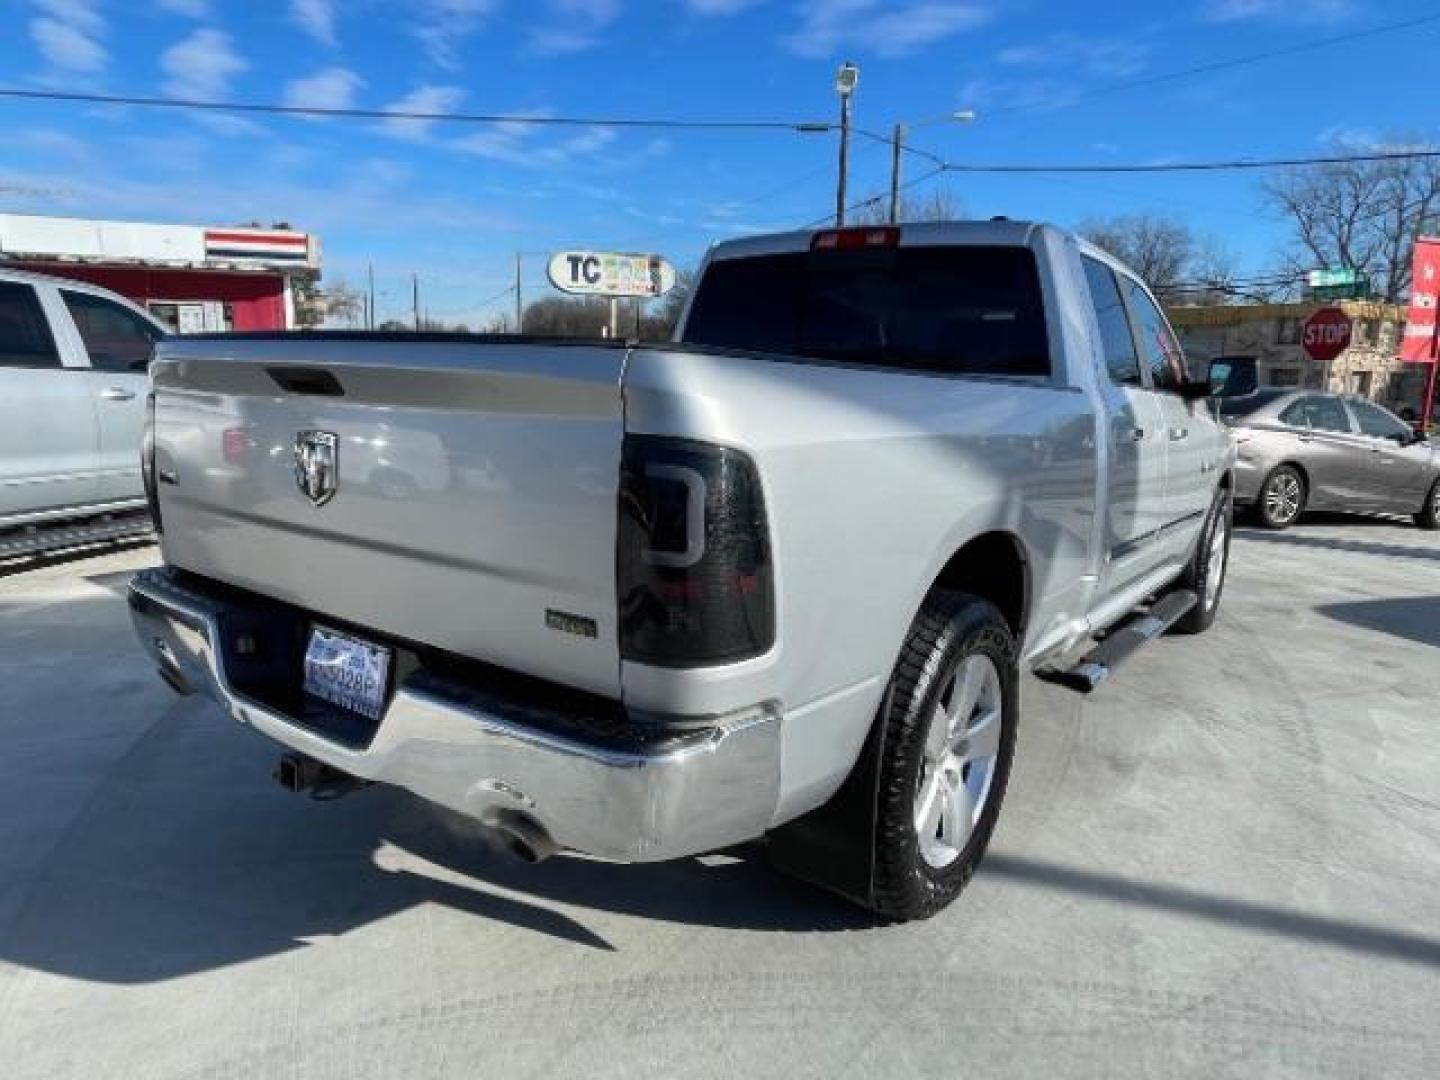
{"x": 992, "y": 565}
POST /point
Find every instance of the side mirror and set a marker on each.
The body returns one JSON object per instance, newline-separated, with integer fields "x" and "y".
{"x": 1195, "y": 389}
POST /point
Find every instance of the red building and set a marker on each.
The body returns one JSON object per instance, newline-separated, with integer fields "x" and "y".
{"x": 192, "y": 278}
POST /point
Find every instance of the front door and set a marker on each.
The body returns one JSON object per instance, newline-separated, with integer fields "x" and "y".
{"x": 1398, "y": 476}
{"x": 47, "y": 420}
{"x": 117, "y": 344}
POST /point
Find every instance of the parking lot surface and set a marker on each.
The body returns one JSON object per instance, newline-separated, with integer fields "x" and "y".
{"x": 1224, "y": 863}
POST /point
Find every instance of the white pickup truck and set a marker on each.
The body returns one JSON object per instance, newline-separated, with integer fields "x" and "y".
{"x": 776, "y": 579}
{"x": 72, "y": 399}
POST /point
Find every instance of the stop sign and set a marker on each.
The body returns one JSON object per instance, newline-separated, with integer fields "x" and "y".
{"x": 1326, "y": 334}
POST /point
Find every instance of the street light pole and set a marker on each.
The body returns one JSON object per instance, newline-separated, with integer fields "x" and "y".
{"x": 846, "y": 80}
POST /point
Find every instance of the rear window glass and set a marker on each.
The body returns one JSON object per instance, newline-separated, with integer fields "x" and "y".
{"x": 1246, "y": 404}
{"x": 965, "y": 310}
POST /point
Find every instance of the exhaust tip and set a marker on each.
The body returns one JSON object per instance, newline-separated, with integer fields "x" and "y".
{"x": 523, "y": 851}
{"x": 525, "y": 838}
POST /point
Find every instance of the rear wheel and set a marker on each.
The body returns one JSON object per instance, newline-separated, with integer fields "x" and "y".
{"x": 1429, "y": 516}
{"x": 1206, "y": 573}
{"x": 1282, "y": 498}
{"x": 945, "y": 758}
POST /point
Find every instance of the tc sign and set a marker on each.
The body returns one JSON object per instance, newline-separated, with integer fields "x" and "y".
{"x": 599, "y": 273}
{"x": 1326, "y": 334}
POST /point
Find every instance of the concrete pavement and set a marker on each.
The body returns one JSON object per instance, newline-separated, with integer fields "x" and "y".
{"x": 1225, "y": 863}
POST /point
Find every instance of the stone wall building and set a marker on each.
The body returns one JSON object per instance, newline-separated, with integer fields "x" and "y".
{"x": 1271, "y": 333}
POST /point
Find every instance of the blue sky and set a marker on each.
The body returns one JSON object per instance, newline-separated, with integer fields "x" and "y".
{"x": 455, "y": 202}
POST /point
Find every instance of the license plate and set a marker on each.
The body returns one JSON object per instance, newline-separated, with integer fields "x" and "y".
{"x": 347, "y": 672}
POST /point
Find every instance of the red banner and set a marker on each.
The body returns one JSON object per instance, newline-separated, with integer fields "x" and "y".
{"x": 1418, "y": 345}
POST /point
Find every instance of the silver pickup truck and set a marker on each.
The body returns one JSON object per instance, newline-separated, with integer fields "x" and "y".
{"x": 72, "y": 399}
{"x": 776, "y": 579}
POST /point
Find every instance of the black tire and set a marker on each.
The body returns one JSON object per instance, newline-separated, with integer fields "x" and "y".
{"x": 1429, "y": 515}
{"x": 1270, "y": 508}
{"x": 1197, "y": 575}
{"x": 949, "y": 628}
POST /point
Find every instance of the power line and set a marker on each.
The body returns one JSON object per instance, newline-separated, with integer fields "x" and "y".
{"x": 1236, "y": 165}
{"x": 1232, "y": 62}
{"x": 663, "y": 123}
{"x": 872, "y": 200}
{"x": 1145, "y": 81}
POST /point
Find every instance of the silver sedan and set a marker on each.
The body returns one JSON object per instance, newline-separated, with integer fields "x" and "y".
{"x": 1302, "y": 450}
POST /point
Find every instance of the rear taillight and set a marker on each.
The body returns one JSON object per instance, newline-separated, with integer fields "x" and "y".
{"x": 693, "y": 562}
{"x": 147, "y": 461}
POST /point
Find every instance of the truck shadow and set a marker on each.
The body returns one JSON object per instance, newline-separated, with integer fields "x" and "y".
{"x": 184, "y": 857}
{"x": 1414, "y": 618}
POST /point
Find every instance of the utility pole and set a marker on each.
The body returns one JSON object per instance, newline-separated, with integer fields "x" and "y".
{"x": 415, "y": 298}
{"x": 897, "y": 146}
{"x": 897, "y": 151}
{"x": 846, "y": 80}
{"x": 519, "y": 302}
{"x": 370, "y": 304}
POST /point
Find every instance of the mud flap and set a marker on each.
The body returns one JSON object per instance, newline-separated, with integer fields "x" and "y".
{"x": 833, "y": 846}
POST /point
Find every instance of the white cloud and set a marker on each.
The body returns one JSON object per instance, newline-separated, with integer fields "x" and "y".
{"x": 720, "y": 7}
{"x": 517, "y": 142}
{"x": 329, "y": 88}
{"x": 443, "y": 25}
{"x": 586, "y": 144}
{"x": 1028, "y": 95}
{"x": 1114, "y": 58}
{"x": 573, "y": 26}
{"x": 1307, "y": 11}
{"x": 316, "y": 18}
{"x": 886, "y": 30}
{"x": 201, "y": 66}
{"x": 67, "y": 33}
{"x": 191, "y": 9}
{"x": 423, "y": 99}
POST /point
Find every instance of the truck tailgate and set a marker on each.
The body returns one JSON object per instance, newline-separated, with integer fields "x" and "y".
{"x": 473, "y": 503}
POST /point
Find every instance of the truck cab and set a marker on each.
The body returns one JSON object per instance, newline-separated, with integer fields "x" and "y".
{"x": 73, "y": 380}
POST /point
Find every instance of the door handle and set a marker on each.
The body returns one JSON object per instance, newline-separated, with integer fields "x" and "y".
{"x": 1307, "y": 438}
{"x": 117, "y": 393}
{"x": 1137, "y": 434}
{"x": 1178, "y": 433}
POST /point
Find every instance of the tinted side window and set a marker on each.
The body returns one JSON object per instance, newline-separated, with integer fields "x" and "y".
{"x": 115, "y": 337}
{"x": 25, "y": 338}
{"x": 1115, "y": 335}
{"x": 1158, "y": 346}
{"x": 1374, "y": 420}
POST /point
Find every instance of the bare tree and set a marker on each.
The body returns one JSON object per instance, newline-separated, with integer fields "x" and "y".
{"x": 342, "y": 304}
{"x": 1359, "y": 215}
{"x": 1159, "y": 249}
{"x": 556, "y": 316}
{"x": 940, "y": 204}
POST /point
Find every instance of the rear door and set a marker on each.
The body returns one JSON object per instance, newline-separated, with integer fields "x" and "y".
{"x": 48, "y": 441}
{"x": 1334, "y": 456}
{"x": 1397, "y": 476}
{"x": 116, "y": 344}
{"x": 1137, "y": 438}
{"x": 1189, "y": 431}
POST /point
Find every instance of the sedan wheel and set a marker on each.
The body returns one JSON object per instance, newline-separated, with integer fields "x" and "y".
{"x": 1282, "y": 498}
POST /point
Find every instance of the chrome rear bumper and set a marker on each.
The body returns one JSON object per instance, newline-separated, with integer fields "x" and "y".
{"x": 458, "y": 746}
